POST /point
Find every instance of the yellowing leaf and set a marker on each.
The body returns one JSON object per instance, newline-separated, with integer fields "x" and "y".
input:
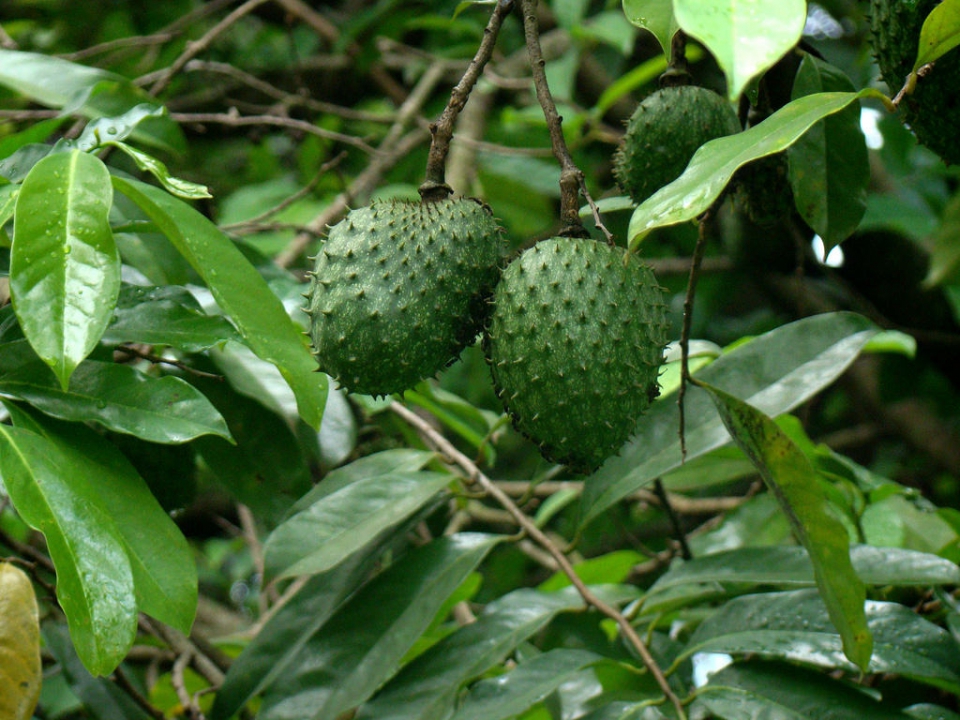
{"x": 20, "y": 668}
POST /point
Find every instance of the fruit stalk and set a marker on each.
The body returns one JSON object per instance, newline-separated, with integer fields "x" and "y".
{"x": 434, "y": 186}
{"x": 571, "y": 177}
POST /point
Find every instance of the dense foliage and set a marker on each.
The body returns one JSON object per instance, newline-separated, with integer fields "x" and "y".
{"x": 195, "y": 522}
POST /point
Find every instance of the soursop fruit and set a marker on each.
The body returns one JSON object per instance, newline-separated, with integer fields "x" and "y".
{"x": 932, "y": 110}
{"x": 574, "y": 343}
{"x": 399, "y": 289}
{"x": 663, "y": 134}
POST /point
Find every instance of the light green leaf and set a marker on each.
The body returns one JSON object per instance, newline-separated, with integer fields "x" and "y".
{"x": 328, "y": 531}
{"x": 940, "y": 33}
{"x": 786, "y": 692}
{"x": 49, "y": 80}
{"x": 164, "y": 573}
{"x": 829, "y": 166}
{"x": 745, "y": 37}
{"x": 147, "y": 163}
{"x": 158, "y": 409}
{"x": 792, "y": 479}
{"x": 775, "y": 372}
{"x": 362, "y": 644}
{"x": 794, "y": 626}
{"x": 240, "y": 291}
{"x": 508, "y": 695}
{"x": 657, "y": 16}
{"x": 95, "y": 585}
{"x": 106, "y": 130}
{"x": 714, "y": 164}
{"x": 64, "y": 266}
{"x": 21, "y": 671}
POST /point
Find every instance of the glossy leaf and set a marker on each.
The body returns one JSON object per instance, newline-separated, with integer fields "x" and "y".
{"x": 325, "y": 533}
{"x": 106, "y": 130}
{"x": 775, "y": 372}
{"x": 166, "y": 315}
{"x": 101, "y": 477}
{"x": 428, "y": 687}
{"x": 177, "y": 186}
{"x": 940, "y": 33}
{"x": 829, "y": 166}
{"x": 510, "y": 694}
{"x": 745, "y": 37}
{"x": 95, "y": 584}
{"x": 20, "y": 669}
{"x": 119, "y": 397}
{"x": 786, "y": 692}
{"x": 362, "y": 644}
{"x": 277, "y": 648}
{"x": 714, "y": 164}
{"x": 255, "y": 378}
{"x": 790, "y": 476}
{"x": 49, "y": 80}
{"x": 794, "y": 626}
{"x": 240, "y": 291}
{"x": 64, "y": 267}
{"x": 656, "y": 16}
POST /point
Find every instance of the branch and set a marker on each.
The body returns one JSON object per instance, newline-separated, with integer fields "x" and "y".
{"x": 476, "y": 476}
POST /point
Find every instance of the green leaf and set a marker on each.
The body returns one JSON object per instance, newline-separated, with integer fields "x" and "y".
{"x": 325, "y": 533}
{"x": 95, "y": 585}
{"x": 794, "y": 626}
{"x": 164, "y": 573}
{"x": 796, "y": 484}
{"x": 64, "y": 267}
{"x": 940, "y": 33}
{"x": 428, "y": 687}
{"x": 240, "y": 291}
{"x": 49, "y": 80}
{"x": 928, "y": 711}
{"x": 110, "y": 130}
{"x": 362, "y": 644}
{"x": 166, "y": 315}
{"x": 656, "y": 16}
{"x": 829, "y": 166}
{"x": 786, "y": 692}
{"x": 177, "y": 186}
{"x": 775, "y": 372}
{"x": 745, "y": 37}
{"x": 20, "y": 668}
{"x": 714, "y": 164}
{"x": 119, "y": 397}
{"x": 611, "y": 567}
{"x": 508, "y": 695}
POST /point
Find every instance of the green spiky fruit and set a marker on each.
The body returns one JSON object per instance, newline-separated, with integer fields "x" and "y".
{"x": 663, "y": 134}
{"x": 932, "y": 110}
{"x": 574, "y": 343}
{"x": 399, "y": 289}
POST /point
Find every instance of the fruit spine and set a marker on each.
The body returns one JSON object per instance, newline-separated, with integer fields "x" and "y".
{"x": 399, "y": 289}
{"x": 574, "y": 343}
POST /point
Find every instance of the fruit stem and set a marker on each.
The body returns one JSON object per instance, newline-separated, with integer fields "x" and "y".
{"x": 434, "y": 186}
{"x": 571, "y": 177}
{"x": 676, "y": 73}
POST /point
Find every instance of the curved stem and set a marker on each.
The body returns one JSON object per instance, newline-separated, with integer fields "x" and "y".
{"x": 434, "y": 186}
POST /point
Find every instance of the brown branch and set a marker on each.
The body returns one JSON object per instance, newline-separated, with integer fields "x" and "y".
{"x": 121, "y": 679}
{"x": 434, "y": 186}
{"x": 571, "y": 177}
{"x": 475, "y": 476}
{"x": 182, "y": 645}
{"x": 138, "y": 41}
{"x": 132, "y": 351}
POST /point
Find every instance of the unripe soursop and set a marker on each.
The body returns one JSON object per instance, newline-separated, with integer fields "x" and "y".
{"x": 932, "y": 110}
{"x": 399, "y": 289}
{"x": 574, "y": 343}
{"x": 663, "y": 134}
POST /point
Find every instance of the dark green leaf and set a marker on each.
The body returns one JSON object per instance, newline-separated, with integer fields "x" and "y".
{"x": 121, "y": 398}
{"x": 794, "y": 626}
{"x": 775, "y": 372}
{"x": 940, "y": 33}
{"x": 829, "y": 167}
{"x": 508, "y": 695}
{"x": 785, "y": 692}
{"x": 240, "y": 290}
{"x": 64, "y": 267}
{"x": 320, "y": 536}
{"x": 166, "y": 315}
{"x": 792, "y": 479}
{"x": 362, "y": 644}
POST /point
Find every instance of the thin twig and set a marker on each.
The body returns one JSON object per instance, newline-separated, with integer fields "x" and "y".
{"x": 571, "y": 177}
{"x": 195, "y": 48}
{"x": 434, "y": 186}
{"x": 476, "y": 476}
{"x": 120, "y": 43}
{"x": 158, "y": 360}
{"x": 235, "y": 119}
{"x": 179, "y": 685}
{"x": 597, "y": 220}
{"x": 674, "y": 520}
{"x": 182, "y": 645}
{"x": 680, "y": 503}
{"x": 121, "y": 679}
